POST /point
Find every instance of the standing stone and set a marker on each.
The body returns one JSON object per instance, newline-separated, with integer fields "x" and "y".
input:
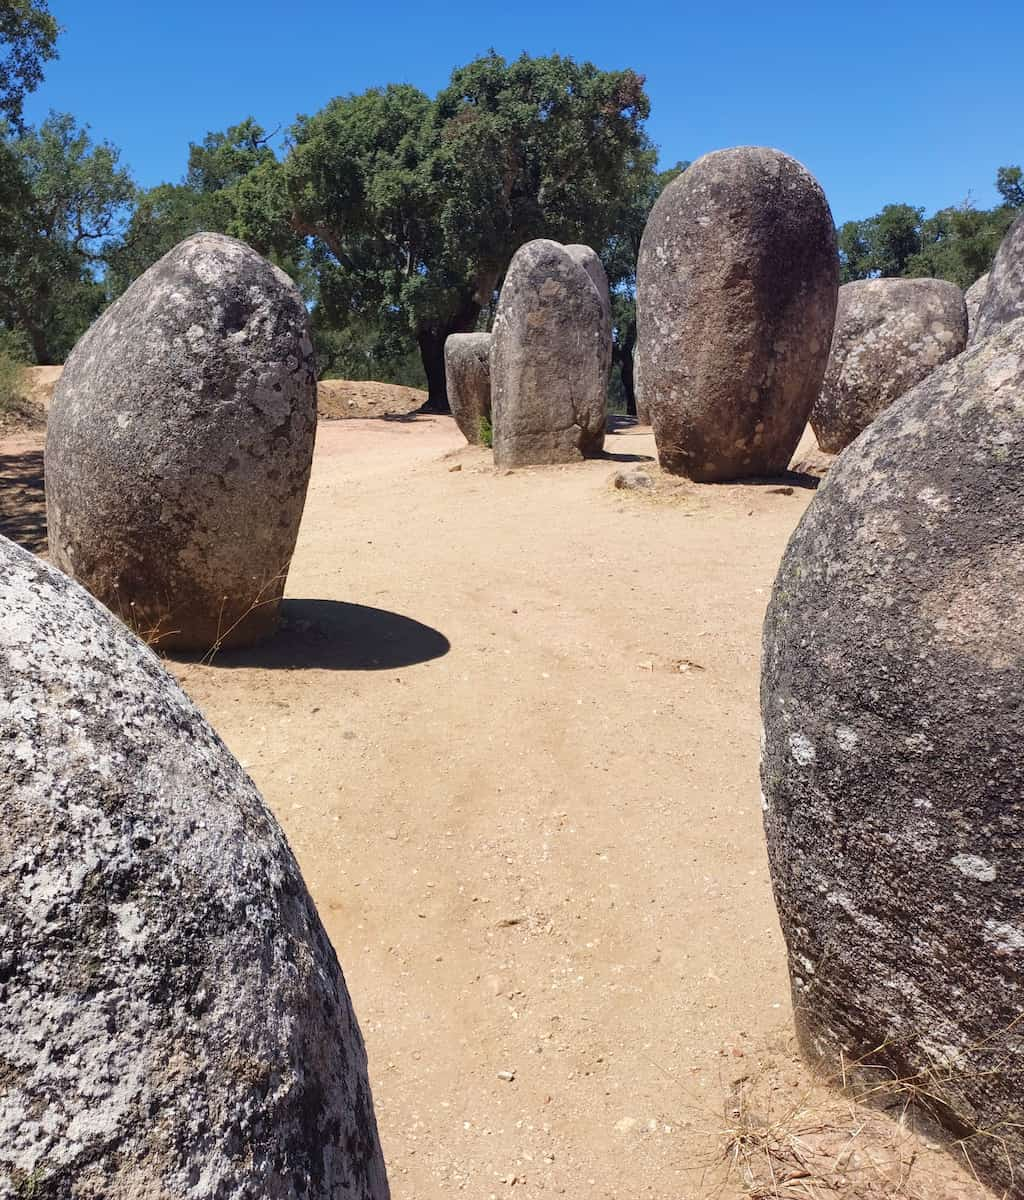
{"x": 179, "y": 446}
{"x": 588, "y": 259}
{"x": 736, "y": 294}
{"x": 889, "y": 334}
{"x": 467, "y": 369}
{"x": 643, "y": 416}
{"x": 174, "y": 1020}
{"x": 892, "y": 694}
{"x": 1004, "y": 296}
{"x": 972, "y": 299}
{"x": 548, "y": 375}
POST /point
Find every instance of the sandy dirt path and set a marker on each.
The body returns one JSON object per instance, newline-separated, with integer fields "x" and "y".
{"x": 511, "y": 729}
{"x": 534, "y": 840}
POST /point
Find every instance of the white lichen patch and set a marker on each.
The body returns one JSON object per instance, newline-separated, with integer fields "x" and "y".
{"x": 846, "y": 738}
{"x": 1006, "y": 938}
{"x": 974, "y": 867}
{"x": 802, "y": 749}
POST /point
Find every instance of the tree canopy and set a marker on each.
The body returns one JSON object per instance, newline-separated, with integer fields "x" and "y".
{"x": 62, "y": 197}
{"x": 419, "y": 204}
{"x": 28, "y": 37}
{"x": 956, "y": 243}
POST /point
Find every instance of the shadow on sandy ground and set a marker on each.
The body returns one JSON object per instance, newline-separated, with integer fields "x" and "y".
{"x": 22, "y": 500}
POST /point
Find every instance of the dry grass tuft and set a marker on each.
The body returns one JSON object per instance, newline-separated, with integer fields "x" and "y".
{"x": 788, "y": 1135}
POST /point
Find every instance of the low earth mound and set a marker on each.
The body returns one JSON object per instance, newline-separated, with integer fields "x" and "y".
{"x": 340, "y": 398}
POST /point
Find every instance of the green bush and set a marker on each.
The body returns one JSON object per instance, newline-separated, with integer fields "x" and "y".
{"x": 13, "y": 357}
{"x": 486, "y": 432}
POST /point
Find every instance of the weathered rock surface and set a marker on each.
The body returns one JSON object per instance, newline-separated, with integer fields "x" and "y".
{"x": 1004, "y": 296}
{"x": 809, "y": 458}
{"x": 588, "y": 259}
{"x": 892, "y": 693}
{"x": 736, "y": 294}
{"x": 643, "y": 416}
{"x": 972, "y": 300}
{"x": 889, "y": 334}
{"x": 548, "y": 376}
{"x": 174, "y": 1020}
{"x": 467, "y": 369}
{"x": 179, "y": 446}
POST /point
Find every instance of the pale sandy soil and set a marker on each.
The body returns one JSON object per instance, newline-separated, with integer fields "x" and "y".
{"x": 511, "y": 731}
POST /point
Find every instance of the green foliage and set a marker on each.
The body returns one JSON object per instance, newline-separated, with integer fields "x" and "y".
{"x": 882, "y": 244}
{"x": 233, "y": 185}
{"x": 13, "y": 357}
{"x": 62, "y": 197}
{"x": 28, "y": 36}
{"x": 1010, "y": 185}
{"x": 486, "y": 431}
{"x": 417, "y": 206}
{"x": 957, "y": 244}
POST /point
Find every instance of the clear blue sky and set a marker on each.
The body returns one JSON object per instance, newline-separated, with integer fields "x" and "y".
{"x": 898, "y": 101}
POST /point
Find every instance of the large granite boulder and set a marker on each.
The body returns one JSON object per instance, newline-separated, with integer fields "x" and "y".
{"x": 588, "y": 259}
{"x": 1004, "y": 296}
{"x": 889, "y": 334}
{"x": 736, "y": 293}
{"x": 548, "y": 372}
{"x": 174, "y": 1022}
{"x": 972, "y": 300}
{"x": 179, "y": 446}
{"x": 467, "y": 369}
{"x": 893, "y": 782}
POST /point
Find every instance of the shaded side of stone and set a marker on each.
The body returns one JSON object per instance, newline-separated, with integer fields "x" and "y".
{"x": 174, "y": 1020}
{"x": 467, "y": 369}
{"x": 736, "y": 295}
{"x": 589, "y": 260}
{"x": 548, "y": 378}
{"x": 1004, "y": 296}
{"x": 889, "y": 334}
{"x": 892, "y": 698}
{"x": 972, "y": 300}
{"x": 179, "y": 447}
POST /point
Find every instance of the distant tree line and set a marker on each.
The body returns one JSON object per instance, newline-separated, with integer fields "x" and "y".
{"x": 396, "y": 214}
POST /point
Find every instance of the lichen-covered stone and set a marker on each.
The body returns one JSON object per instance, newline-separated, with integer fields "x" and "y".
{"x": 548, "y": 373}
{"x": 1004, "y": 296}
{"x": 179, "y": 447}
{"x": 889, "y": 334}
{"x": 736, "y": 294}
{"x": 588, "y": 259}
{"x": 174, "y": 1022}
{"x": 467, "y": 368}
{"x": 892, "y": 698}
{"x": 972, "y": 300}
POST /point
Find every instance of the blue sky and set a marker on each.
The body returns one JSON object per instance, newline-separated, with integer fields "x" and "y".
{"x": 899, "y": 101}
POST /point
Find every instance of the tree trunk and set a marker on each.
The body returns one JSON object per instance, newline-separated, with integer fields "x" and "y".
{"x": 624, "y": 354}
{"x": 431, "y": 343}
{"x": 431, "y": 340}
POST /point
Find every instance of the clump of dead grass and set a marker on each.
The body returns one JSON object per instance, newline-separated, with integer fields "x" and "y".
{"x": 790, "y": 1134}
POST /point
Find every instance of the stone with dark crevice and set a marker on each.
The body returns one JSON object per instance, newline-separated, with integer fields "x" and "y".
{"x": 892, "y": 698}
{"x": 589, "y": 260}
{"x": 736, "y": 294}
{"x": 548, "y": 363}
{"x": 889, "y": 334}
{"x": 973, "y": 297}
{"x": 179, "y": 447}
{"x": 174, "y": 1021}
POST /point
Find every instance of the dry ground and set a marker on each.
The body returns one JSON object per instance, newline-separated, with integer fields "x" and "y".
{"x": 511, "y": 730}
